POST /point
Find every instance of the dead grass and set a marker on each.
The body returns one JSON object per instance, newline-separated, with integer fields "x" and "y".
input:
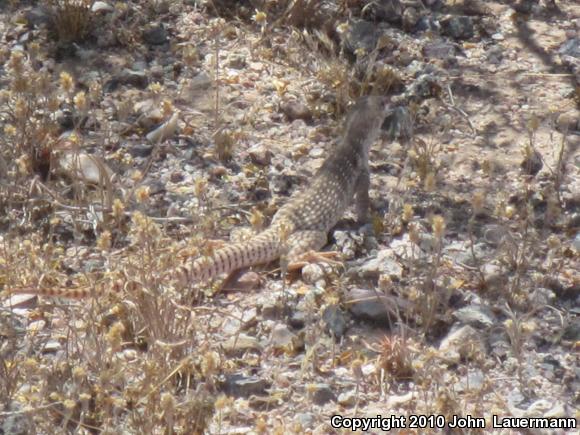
{"x": 141, "y": 351}
{"x": 71, "y": 19}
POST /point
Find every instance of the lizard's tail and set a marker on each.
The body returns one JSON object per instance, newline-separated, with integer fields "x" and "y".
{"x": 262, "y": 248}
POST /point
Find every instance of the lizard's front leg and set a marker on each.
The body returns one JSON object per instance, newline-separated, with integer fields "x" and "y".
{"x": 303, "y": 247}
{"x": 363, "y": 203}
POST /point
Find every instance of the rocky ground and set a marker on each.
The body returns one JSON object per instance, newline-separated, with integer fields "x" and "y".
{"x": 138, "y": 135}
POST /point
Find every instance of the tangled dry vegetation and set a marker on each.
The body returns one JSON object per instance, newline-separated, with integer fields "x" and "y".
{"x": 137, "y": 135}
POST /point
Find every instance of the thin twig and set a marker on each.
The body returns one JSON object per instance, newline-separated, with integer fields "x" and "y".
{"x": 458, "y": 110}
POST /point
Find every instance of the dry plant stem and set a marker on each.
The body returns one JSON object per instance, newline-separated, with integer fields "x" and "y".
{"x": 514, "y": 331}
{"x": 559, "y": 172}
{"x": 521, "y": 254}
{"x": 476, "y": 262}
{"x": 453, "y": 106}
{"x": 217, "y": 120}
{"x": 184, "y": 362}
{"x": 29, "y": 410}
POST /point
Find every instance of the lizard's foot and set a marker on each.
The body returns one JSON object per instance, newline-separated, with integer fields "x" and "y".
{"x": 330, "y": 257}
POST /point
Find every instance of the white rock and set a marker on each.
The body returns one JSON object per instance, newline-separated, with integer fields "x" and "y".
{"x": 102, "y": 7}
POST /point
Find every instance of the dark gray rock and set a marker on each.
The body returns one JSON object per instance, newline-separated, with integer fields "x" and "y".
{"x": 427, "y": 23}
{"x": 361, "y": 35}
{"x": 282, "y": 337}
{"x": 399, "y": 124}
{"x": 411, "y": 17}
{"x": 297, "y": 319}
{"x": 458, "y": 27}
{"x": 238, "y": 385}
{"x": 390, "y": 11}
{"x": 476, "y": 315}
{"x": 140, "y": 150}
{"x": 155, "y": 34}
{"x": 335, "y": 320}
{"x": 128, "y": 77}
{"x": 369, "y": 305}
{"x": 16, "y": 422}
{"x": 322, "y": 394}
{"x": 495, "y": 54}
{"x": 38, "y": 16}
{"x": 305, "y": 419}
{"x": 237, "y": 62}
{"x": 532, "y": 163}
{"x": 571, "y": 48}
{"x": 425, "y": 86}
{"x": 384, "y": 263}
{"x": 571, "y": 332}
{"x": 439, "y": 50}
{"x": 296, "y": 110}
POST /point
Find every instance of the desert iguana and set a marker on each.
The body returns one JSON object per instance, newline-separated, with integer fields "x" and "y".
{"x": 302, "y": 224}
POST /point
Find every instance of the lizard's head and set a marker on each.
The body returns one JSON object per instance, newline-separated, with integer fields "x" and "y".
{"x": 365, "y": 119}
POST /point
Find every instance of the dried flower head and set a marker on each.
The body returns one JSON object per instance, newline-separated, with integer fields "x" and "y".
{"x": 24, "y": 164}
{"x": 407, "y": 213}
{"x": 155, "y": 88}
{"x": 284, "y": 232}
{"x": 9, "y": 130}
{"x": 69, "y": 404}
{"x": 115, "y": 335}
{"x": 95, "y": 91}
{"x": 104, "y": 241}
{"x": 118, "y": 209}
{"x": 260, "y": 18}
{"x": 79, "y": 373}
{"x": 43, "y": 83}
{"x": 478, "y": 201}
{"x": 509, "y": 211}
{"x": 360, "y": 52}
{"x": 385, "y": 282}
{"x": 20, "y": 83}
{"x": 190, "y": 55}
{"x": 222, "y": 402}
{"x": 281, "y": 86}
{"x": 66, "y": 82}
{"x": 414, "y": 233}
{"x": 395, "y": 356}
{"x": 199, "y": 187}
{"x": 136, "y": 175}
{"x": 553, "y": 242}
{"x": 52, "y": 103}
{"x": 261, "y": 425}
{"x": 142, "y": 194}
{"x": 209, "y": 363}
{"x": 534, "y": 122}
{"x": 16, "y": 63}
{"x": 167, "y": 402}
{"x": 356, "y": 367}
{"x": 80, "y": 101}
{"x": 30, "y": 365}
{"x": 257, "y": 219}
{"x": 20, "y": 109}
{"x": 438, "y": 224}
{"x": 167, "y": 108}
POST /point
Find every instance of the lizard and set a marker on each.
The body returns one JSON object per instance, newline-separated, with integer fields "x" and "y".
{"x": 303, "y": 223}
